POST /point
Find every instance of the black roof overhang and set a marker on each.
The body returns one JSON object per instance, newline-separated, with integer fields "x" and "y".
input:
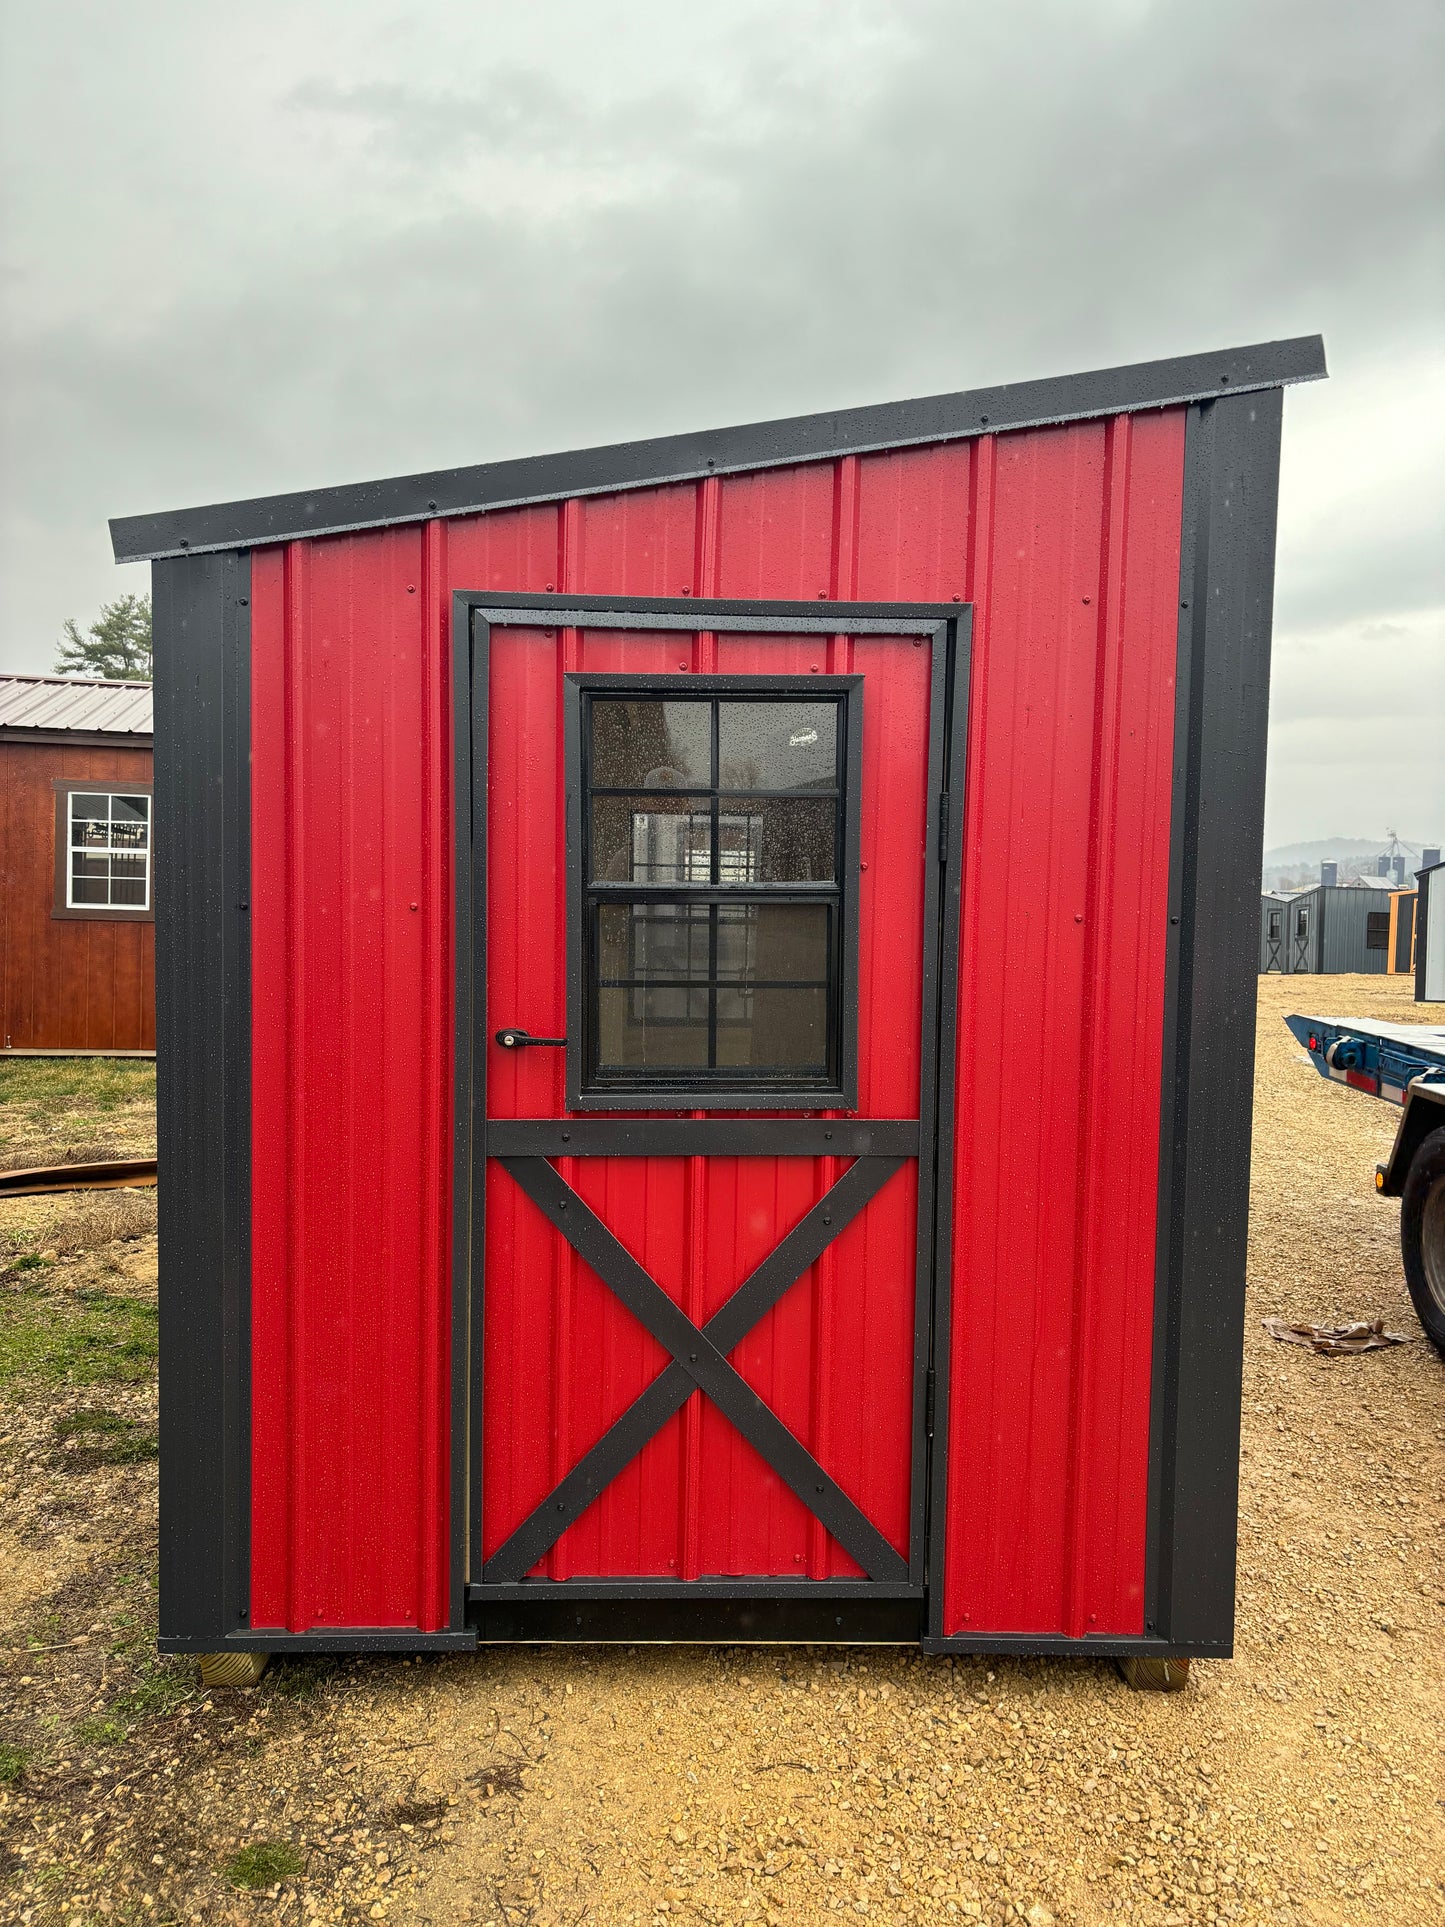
{"x": 718, "y": 451}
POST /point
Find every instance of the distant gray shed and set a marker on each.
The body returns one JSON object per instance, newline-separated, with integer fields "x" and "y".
{"x": 1430, "y": 935}
{"x": 1274, "y": 953}
{"x": 1346, "y": 928}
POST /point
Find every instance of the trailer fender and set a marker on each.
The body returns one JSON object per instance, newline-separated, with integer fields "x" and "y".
{"x": 1423, "y": 1113}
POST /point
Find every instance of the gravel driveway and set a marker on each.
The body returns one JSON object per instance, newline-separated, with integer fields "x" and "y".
{"x": 1300, "y": 1782}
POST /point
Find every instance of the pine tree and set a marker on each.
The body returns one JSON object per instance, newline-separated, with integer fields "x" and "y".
{"x": 117, "y": 644}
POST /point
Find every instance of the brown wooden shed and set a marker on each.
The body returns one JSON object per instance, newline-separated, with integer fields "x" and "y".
{"x": 77, "y": 887}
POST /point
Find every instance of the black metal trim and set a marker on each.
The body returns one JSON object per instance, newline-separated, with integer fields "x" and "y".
{"x": 203, "y": 1057}
{"x": 325, "y": 1639}
{"x": 672, "y": 458}
{"x": 670, "y": 1391}
{"x": 720, "y": 615}
{"x": 563, "y": 1620}
{"x": 702, "y": 1137}
{"x": 1092, "y": 1646}
{"x": 951, "y": 814}
{"x": 1231, "y": 481}
{"x": 702, "y": 1360}
{"x": 947, "y": 626}
{"x": 711, "y": 1586}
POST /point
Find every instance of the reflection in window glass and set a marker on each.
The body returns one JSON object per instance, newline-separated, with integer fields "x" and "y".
{"x": 777, "y": 745}
{"x": 651, "y": 744}
{"x": 651, "y": 840}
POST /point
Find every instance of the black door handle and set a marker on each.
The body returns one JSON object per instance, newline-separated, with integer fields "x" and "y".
{"x": 514, "y": 1039}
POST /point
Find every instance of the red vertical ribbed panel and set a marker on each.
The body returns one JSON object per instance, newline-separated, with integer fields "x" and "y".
{"x": 351, "y": 1081}
{"x": 1074, "y": 571}
{"x": 1067, "y": 542}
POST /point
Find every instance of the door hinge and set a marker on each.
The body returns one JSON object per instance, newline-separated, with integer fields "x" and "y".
{"x": 928, "y": 1402}
{"x": 943, "y": 826}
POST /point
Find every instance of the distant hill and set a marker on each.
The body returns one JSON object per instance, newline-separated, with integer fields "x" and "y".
{"x": 1297, "y": 865}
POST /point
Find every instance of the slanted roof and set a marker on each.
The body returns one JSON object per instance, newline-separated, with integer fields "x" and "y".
{"x": 84, "y": 705}
{"x": 717, "y": 451}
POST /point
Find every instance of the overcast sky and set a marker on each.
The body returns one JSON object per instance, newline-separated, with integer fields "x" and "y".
{"x": 263, "y": 246}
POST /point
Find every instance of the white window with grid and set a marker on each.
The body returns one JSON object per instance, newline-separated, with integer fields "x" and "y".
{"x": 108, "y": 850}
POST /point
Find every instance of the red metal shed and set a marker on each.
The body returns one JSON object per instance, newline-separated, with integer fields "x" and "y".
{"x": 635, "y": 1162}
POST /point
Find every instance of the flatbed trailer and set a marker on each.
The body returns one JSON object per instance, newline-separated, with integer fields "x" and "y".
{"x": 1404, "y": 1064}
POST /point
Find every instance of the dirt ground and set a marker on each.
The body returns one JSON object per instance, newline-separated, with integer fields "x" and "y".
{"x": 1300, "y": 1782}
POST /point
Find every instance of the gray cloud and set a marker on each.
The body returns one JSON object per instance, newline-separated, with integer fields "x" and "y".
{"x": 367, "y": 241}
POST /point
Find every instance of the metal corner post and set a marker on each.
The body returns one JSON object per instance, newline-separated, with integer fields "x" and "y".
{"x": 1231, "y": 483}
{"x": 202, "y": 627}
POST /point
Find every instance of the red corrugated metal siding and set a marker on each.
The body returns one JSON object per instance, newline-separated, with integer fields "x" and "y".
{"x": 1074, "y": 570}
{"x": 351, "y": 1074}
{"x": 1060, "y": 1039}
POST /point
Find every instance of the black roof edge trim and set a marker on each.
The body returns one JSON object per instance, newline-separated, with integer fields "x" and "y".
{"x": 719, "y": 451}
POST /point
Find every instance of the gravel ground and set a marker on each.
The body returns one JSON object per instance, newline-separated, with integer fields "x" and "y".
{"x": 1300, "y": 1782}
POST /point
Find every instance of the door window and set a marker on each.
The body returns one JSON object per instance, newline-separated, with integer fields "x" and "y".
{"x": 713, "y": 827}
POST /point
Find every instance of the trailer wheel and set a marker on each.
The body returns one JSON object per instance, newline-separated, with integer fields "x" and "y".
{"x": 1422, "y": 1234}
{"x": 1148, "y": 1674}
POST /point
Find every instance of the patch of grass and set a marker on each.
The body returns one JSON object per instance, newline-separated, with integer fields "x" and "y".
{"x": 104, "y": 1217}
{"x": 34, "y": 1160}
{"x": 89, "y": 1439}
{"x": 87, "y": 1340}
{"x": 12, "y": 1764}
{"x": 28, "y": 1261}
{"x": 300, "y": 1679}
{"x": 101, "y": 1730}
{"x": 155, "y": 1694}
{"x": 263, "y": 1863}
{"x": 47, "y": 1085}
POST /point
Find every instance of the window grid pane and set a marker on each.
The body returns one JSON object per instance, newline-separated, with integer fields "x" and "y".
{"x": 109, "y": 850}
{"x": 687, "y": 990}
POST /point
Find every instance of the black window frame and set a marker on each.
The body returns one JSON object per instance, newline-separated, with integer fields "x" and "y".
{"x": 712, "y": 1089}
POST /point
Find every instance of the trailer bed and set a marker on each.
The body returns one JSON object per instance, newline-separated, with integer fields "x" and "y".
{"x": 1369, "y": 1055}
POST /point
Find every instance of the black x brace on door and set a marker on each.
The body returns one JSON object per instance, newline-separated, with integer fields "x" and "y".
{"x": 878, "y": 1148}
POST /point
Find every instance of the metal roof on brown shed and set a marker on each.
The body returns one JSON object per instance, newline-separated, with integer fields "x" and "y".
{"x": 80, "y": 703}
